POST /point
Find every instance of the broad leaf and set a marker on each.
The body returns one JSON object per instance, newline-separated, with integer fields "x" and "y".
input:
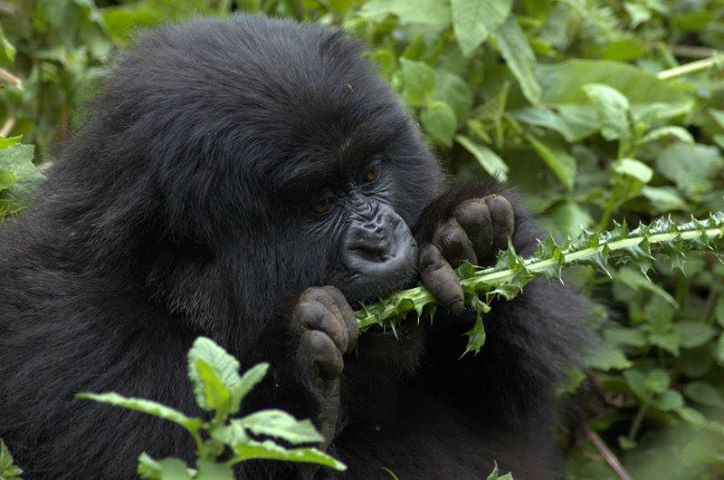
{"x": 474, "y": 20}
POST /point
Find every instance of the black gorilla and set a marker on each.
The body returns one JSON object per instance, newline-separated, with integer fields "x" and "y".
{"x": 245, "y": 180}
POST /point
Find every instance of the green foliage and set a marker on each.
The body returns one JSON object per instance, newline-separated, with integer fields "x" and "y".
{"x": 18, "y": 176}
{"x": 8, "y": 471}
{"x": 598, "y": 110}
{"x": 220, "y": 390}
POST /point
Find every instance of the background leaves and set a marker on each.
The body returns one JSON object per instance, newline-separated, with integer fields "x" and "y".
{"x": 597, "y": 110}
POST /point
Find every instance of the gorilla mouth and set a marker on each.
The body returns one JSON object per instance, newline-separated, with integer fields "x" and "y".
{"x": 370, "y": 287}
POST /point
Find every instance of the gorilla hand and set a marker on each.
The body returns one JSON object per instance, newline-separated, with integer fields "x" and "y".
{"x": 475, "y": 230}
{"x": 328, "y": 329}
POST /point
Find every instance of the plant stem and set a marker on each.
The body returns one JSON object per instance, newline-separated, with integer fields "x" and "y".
{"x": 691, "y": 67}
{"x": 490, "y": 277}
{"x": 637, "y": 421}
{"x": 611, "y": 459}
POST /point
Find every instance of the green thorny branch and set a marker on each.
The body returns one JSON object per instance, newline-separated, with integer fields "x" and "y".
{"x": 666, "y": 238}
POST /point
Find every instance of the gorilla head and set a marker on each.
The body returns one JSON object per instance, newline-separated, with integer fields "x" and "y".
{"x": 224, "y": 161}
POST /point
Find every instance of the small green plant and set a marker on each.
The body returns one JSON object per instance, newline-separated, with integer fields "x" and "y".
{"x": 495, "y": 475}
{"x": 8, "y": 470}
{"x": 219, "y": 390}
{"x": 512, "y": 272}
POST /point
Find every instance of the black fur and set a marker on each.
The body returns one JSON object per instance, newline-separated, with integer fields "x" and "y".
{"x": 181, "y": 210}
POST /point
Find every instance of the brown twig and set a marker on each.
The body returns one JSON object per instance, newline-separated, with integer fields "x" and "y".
{"x": 611, "y": 459}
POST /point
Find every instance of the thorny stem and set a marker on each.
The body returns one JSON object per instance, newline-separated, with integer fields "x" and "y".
{"x": 485, "y": 280}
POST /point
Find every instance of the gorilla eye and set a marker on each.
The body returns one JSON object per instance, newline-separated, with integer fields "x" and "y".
{"x": 323, "y": 206}
{"x": 372, "y": 173}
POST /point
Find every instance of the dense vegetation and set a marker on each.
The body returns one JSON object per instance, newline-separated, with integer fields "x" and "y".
{"x": 598, "y": 110}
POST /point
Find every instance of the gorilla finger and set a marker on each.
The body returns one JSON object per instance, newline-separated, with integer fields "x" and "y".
{"x": 347, "y": 314}
{"x": 315, "y": 315}
{"x": 474, "y": 217}
{"x": 454, "y": 243}
{"x": 440, "y": 278}
{"x": 503, "y": 220}
{"x": 325, "y": 354}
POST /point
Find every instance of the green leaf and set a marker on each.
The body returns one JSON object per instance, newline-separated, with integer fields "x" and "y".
{"x": 271, "y": 451}
{"x": 633, "y": 168}
{"x": 474, "y": 20}
{"x": 439, "y": 121}
{"x": 420, "y": 81}
{"x": 669, "y": 401}
{"x": 704, "y": 393}
{"x": 719, "y": 354}
{"x": 7, "y": 50}
{"x": 514, "y": 47}
{"x": 453, "y": 90}
{"x": 563, "y": 83}
{"x": 214, "y": 471}
{"x": 433, "y": 12}
{"x": 279, "y": 424}
{"x": 555, "y": 156}
{"x": 174, "y": 469}
{"x": 8, "y": 470}
{"x": 148, "y": 467}
{"x": 635, "y": 280}
{"x": 665, "y": 199}
{"x": 607, "y": 357}
{"x": 612, "y": 109}
{"x": 476, "y": 336}
{"x": 489, "y": 160}
{"x": 249, "y": 380}
{"x": 214, "y": 374}
{"x": 694, "y": 334}
{"x": 692, "y": 168}
{"x": 149, "y": 407}
{"x": 16, "y": 159}
{"x": 668, "y": 131}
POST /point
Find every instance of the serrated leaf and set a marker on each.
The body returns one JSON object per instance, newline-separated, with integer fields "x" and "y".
{"x": 249, "y": 380}
{"x": 514, "y": 46}
{"x": 149, "y": 407}
{"x": 489, "y": 160}
{"x": 279, "y": 424}
{"x": 269, "y": 450}
{"x": 8, "y": 470}
{"x": 214, "y": 375}
{"x": 474, "y": 20}
{"x": 476, "y": 337}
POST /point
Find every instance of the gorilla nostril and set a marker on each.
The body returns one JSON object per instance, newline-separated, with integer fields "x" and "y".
{"x": 376, "y": 253}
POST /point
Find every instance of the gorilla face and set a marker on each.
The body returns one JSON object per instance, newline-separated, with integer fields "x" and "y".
{"x": 370, "y": 247}
{"x": 261, "y": 169}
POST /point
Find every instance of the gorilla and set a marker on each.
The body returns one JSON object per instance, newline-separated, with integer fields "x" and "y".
{"x": 253, "y": 180}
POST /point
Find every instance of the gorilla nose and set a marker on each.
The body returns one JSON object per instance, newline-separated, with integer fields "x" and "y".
{"x": 379, "y": 248}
